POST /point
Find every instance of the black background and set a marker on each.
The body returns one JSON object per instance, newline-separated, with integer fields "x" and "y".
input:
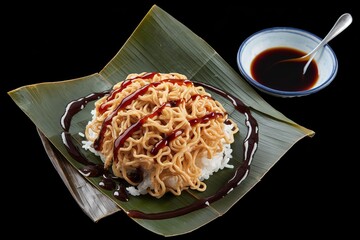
{"x": 310, "y": 192}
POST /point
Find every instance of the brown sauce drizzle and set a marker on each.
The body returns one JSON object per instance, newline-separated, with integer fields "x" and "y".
{"x": 110, "y": 182}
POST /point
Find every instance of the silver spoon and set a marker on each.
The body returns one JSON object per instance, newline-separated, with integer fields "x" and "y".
{"x": 341, "y": 24}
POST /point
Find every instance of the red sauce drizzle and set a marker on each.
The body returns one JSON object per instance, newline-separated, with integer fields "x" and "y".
{"x": 119, "y": 142}
{"x": 104, "y": 106}
{"x": 205, "y": 118}
{"x": 127, "y": 101}
{"x": 166, "y": 140}
{"x": 193, "y": 97}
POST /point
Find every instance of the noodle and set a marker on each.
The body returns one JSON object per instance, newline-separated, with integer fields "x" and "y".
{"x": 155, "y": 129}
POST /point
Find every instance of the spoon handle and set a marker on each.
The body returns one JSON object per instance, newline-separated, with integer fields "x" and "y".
{"x": 343, "y": 22}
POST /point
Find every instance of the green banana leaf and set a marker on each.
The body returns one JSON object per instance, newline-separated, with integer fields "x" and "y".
{"x": 160, "y": 43}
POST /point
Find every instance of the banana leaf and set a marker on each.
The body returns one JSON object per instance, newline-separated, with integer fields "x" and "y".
{"x": 160, "y": 43}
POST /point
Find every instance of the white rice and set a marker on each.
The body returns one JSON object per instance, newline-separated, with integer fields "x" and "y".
{"x": 208, "y": 166}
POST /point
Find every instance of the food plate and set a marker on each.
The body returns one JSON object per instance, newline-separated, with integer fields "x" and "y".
{"x": 45, "y": 104}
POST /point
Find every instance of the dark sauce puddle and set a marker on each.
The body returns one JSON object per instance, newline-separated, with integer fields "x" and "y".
{"x": 118, "y": 186}
{"x": 285, "y": 76}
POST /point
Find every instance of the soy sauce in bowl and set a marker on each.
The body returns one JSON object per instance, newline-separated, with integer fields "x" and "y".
{"x": 287, "y": 76}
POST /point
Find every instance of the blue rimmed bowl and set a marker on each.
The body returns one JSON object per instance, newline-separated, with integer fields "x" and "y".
{"x": 300, "y": 40}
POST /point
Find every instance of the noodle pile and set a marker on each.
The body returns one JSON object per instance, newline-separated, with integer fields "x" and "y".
{"x": 154, "y": 130}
